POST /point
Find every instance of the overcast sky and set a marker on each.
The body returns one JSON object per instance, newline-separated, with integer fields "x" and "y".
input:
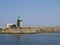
{"x": 33, "y": 12}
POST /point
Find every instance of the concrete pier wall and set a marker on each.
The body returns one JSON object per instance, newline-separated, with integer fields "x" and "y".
{"x": 31, "y": 30}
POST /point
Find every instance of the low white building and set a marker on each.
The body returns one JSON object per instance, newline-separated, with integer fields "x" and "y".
{"x": 10, "y": 25}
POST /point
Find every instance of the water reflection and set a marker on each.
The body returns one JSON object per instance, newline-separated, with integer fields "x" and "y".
{"x": 6, "y": 39}
{"x": 30, "y": 39}
{"x": 14, "y": 40}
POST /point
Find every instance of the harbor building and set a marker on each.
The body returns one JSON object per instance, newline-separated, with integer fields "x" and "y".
{"x": 10, "y": 25}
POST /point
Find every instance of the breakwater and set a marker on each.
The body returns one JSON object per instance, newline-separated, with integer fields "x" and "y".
{"x": 30, "y": 30}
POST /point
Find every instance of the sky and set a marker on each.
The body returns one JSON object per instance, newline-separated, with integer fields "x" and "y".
{"x": 33, "y": 12}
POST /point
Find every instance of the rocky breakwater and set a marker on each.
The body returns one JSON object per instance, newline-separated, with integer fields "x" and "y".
{"x": 23, "y": 30}
{"x": 30, "y": 30}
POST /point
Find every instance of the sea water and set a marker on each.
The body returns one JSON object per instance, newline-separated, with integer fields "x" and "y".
{"x": 30, "y": 39}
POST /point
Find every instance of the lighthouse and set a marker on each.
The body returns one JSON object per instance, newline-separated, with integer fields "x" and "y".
{"x": 19, "y": 21}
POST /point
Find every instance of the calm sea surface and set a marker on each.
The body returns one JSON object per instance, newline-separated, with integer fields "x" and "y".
{"x": 30, "y": 39}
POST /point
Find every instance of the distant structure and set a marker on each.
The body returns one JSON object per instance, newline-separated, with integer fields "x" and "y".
{"x": 19, "y": 21}
{"x": 11, "y": 28}
{"x": 10, "y": 25}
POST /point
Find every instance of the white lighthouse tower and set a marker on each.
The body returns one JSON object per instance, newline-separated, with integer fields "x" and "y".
{"x": 19, "y": 21}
